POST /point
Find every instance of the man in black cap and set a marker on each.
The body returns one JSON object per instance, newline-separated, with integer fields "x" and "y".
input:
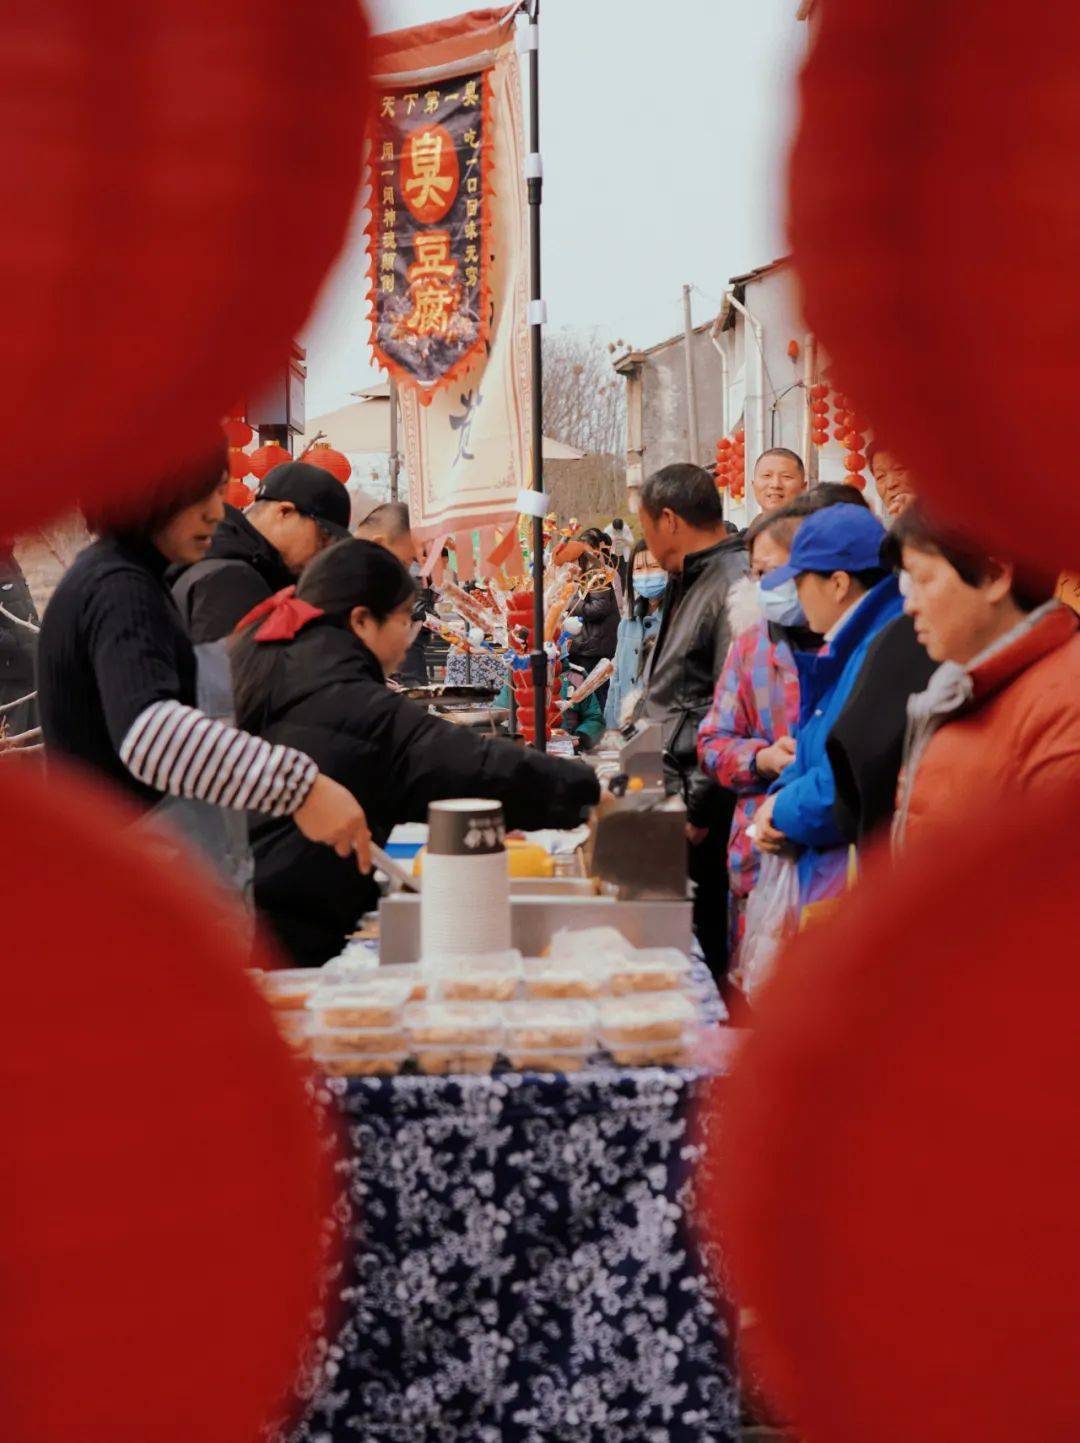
{"x": 297, "y": 511}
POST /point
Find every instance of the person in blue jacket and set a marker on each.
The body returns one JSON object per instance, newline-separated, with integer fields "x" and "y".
{"x": 835, "y": 574}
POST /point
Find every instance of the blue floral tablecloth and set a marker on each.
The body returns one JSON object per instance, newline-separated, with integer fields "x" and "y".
{"x": 522, "y": 1266}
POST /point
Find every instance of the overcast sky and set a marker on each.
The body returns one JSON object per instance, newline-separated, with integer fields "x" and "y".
{"x": 663, "y": 130}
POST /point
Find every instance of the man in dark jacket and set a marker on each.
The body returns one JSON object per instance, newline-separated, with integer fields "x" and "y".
{"x": 682, "y": 520}
{"x": 598, "y": 612}
{"x": 297, "y": 511}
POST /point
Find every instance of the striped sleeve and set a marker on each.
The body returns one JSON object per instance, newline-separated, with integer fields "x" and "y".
{"x": 177, "y": 749}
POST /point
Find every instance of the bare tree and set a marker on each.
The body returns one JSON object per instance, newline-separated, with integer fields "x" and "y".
{"x": 584, "y": 398}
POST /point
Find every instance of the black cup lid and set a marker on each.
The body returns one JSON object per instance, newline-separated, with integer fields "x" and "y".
{"x": 470, "y": 827}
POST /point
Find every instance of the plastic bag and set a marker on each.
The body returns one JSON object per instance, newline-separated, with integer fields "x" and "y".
{"x": 772, "y": 915}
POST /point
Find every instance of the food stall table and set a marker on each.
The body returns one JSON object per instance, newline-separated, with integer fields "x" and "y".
{"x": 522, "y": 1265}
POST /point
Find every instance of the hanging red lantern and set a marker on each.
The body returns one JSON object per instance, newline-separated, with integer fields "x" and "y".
{"x": 723, "y": 446}
{"x": 138, "y": 154}
{"x": 839, "y": 433}
{"x": 857, "y": 423}
{"x": 819, "y": 408}
{"x": 853, "y": 440}
{"x": 323, "y": 455}
{"x": 854, "y": 461}
{"x": 856, "y": 479}
{"x": 966, "y": 241}
{"x": 194, "y": 1232}
{"x": 267, "y": 457}
{"x": 819, "y": 392}
{"x": 239, "y": 463}
{"x": 237, "y": 432}
{"x": 840, "y": 402}
{"x": 819, "y": 438}
{"x": 238, "y": 495}
{"x": 793, "y": 350}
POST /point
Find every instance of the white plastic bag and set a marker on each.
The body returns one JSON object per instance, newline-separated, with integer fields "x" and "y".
{"x": 772, "y": 915}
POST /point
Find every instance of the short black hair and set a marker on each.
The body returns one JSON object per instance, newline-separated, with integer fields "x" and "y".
{"x": 687, "y": 490}
{"x": 914, "y": 529}
{"x": 391, "y": 519}
{"x": 828, "y": 493}
{"x": 782, "y": 451}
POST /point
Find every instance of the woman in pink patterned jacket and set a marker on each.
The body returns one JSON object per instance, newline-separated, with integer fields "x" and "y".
{"x": 745, "y": 740}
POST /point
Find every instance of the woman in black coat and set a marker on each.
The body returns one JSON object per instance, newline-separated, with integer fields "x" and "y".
{"x": 310, "y": 671}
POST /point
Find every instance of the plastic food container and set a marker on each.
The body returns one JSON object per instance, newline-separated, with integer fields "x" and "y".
{"x": 567, "y": 977}
{"x": 357, "y": 1064}
{"x": 483, "y": 979}
{"x": 446, "y": 1060}
{"x": 458, "y": 1026}
{"x": 550, "y": 1026}
{"x": 373, "y": 1002}
{"x": 290, "y": 988}
{"x": 354, "y": 965}
{"x": 337, "y": 1041}
{"x": 410, "y": 972}
{"x": 590, "y": 942}
{"x": 651, "y": 1017}
{"x": 546, "y": 1060}
{"x": 295, "y": 1027}
{"x": 650, "y": 969}
{"x": 675, "y": 1053}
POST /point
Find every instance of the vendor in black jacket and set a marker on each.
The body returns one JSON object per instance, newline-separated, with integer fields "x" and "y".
{"x": 298, "y": 510}
{"x": 310, "y": 671}
{"x": 682, "y": 521}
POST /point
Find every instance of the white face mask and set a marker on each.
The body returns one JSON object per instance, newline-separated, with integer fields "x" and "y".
{"x": 782, "y": 605}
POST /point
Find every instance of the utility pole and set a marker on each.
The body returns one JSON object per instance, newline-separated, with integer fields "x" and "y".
{"x": 534, "y": 181}
{"x": 395, "y": 458}
{"x": 691, "y": 397}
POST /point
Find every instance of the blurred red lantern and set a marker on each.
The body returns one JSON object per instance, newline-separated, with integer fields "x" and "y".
{"x": 854, "y": 478}
{"x": 793, "y": 350}
{"x": 323, "y": 455}
{"x": 819, "y": 438}
{"x": 819, "y": 392}
{"x": 819, "y": 408}
{"x": 239, "y": 463}
{"x": 723, "y": 446}
{"x": 966, "y": 233}
{"x": 189, "y": 1247}
{"x": 842, "y": 418}
{"x": 914, "y": 1166}
{"x": 853, "y": 440}
{"x": 840, "y": 433}
{"x": 854, "y": 461}
{"x": 237, "y": 433}
{"x": 135, "y": 151}
{"x": 267, "y": 457}
{"x": 239, "y": 495}
{"x": 840, "y": 402}
{"x": 857, "y": 423}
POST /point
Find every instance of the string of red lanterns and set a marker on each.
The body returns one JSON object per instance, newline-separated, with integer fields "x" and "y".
{"x": 730, "y": 468}
{"x": 848, "y": 428}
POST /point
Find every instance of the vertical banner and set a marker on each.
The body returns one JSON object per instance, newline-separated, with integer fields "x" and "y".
{"x": 448, "y": 265}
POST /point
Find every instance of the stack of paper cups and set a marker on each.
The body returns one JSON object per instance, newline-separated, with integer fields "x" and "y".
{"x": 465, "y": 896}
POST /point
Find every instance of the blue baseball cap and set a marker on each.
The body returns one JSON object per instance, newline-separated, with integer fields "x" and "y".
{"x": 836, "y": 538}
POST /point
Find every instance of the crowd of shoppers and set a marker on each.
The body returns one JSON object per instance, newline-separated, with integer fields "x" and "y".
{"x": 818, "y": 681}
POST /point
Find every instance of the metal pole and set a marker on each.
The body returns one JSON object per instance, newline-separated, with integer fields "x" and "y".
{"x": 691, "y": 398}
{"x": 534, "y": 174}
{"x": 395, "y": 458}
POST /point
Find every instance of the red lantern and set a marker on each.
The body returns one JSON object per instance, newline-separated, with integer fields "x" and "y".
{"x": 967, "y": 241}
{"x": 238, "y": 495}
{"x": 194, "y": 1229}
{"x": 819, "y": 392}
{"x": 723, "y": 446}
{"x": 237, "y": 433}
{"x": 857, "y": 423}
{"x": 138, "y": 154}
{"x": 323, "y": 455}
{"x": 926, "y": 1149}
{"x": 267, "y": 457}
{"x": 853, "y": 440}
{"x": 840, "y": 402}
{"x": 819, "y": 408}
{"x": 793, "y": 350}
{"x": 855, "y": 479}
{"x": 819, "y": 438}
{"x": 854, "y": 461}
{"x": 239, "y": 463}
{"x": 840, "y": 433}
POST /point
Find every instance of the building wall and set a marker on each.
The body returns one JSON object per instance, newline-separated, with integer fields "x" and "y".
{"x": 664, "y": 421}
